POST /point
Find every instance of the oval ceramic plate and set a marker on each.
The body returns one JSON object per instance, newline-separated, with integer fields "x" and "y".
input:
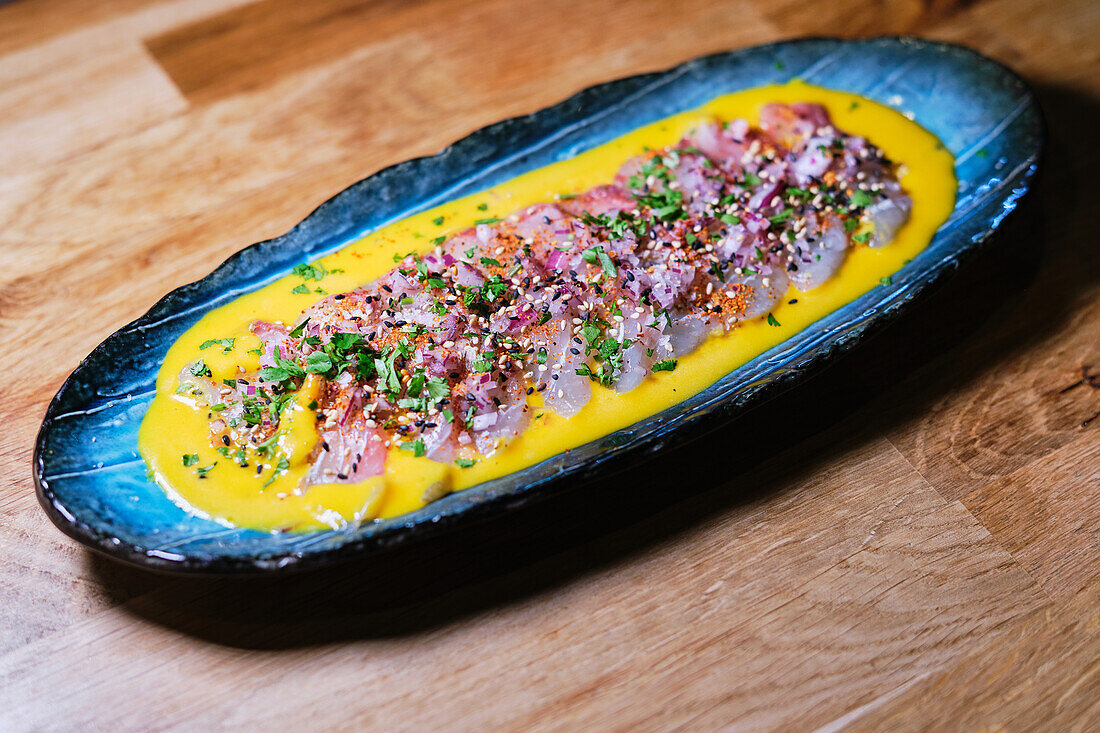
{"x": 92, "y": 481}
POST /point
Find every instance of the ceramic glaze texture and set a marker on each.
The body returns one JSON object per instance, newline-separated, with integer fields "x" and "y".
{"x": 92, "y": 480}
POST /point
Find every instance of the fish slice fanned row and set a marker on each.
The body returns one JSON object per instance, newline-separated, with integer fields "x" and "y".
{"x": 442, "y": 354}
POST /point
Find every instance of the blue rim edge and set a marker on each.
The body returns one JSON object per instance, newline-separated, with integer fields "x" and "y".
{"x": 758, "y": 381}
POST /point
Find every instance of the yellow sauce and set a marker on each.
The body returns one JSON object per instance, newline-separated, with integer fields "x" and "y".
{"x": 173, "y": 426}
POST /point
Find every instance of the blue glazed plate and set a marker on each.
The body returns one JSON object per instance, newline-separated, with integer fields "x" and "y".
{"x": 91, "y": 479}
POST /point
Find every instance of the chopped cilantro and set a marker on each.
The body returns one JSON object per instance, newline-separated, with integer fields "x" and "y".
{"x": 484, "y": 363}
{"x": 782, "y": 216}
{"x": 284, "y": 370}
{"x": 860, "y": 198}
{"x": 226, "y": 344}
{"x": 280, "y": 467}
{"x": 438, "y": 388}
{"x": 416, "y": 446}
{"x": 297, "y": 330}
{"x": 606, "y": 263}
{"x": 318, "y": 362}
{"x": 310, "y": 272}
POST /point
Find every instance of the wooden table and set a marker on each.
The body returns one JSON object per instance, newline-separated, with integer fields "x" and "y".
{"x": 921, "y": 548}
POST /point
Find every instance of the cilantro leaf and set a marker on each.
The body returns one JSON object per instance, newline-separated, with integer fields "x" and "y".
{"x": 226, "y": 344}
{"x": 860, "y": 198}
{"x": 318, "y": 362}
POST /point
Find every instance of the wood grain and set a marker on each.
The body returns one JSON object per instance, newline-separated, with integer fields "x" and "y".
{"x": 922, "y": 553}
